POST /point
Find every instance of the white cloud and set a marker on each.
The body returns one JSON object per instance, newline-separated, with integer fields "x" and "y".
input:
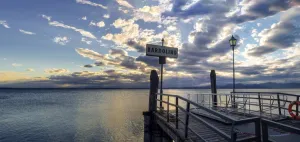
{"x": 123, "y": 10}
{"x": 99, "y": 24}
{"x": 121, "y": 23}
{"x": 81, "y": 31}
{"x": 4, "y": 24}
{"x": 30, "y": 70}
{"x": 86, "y": 41}
{"x": 26, "y": 32}
{"x": 84, "y": 18}
{"x": 106, "y": 16}
{"x": 124, "y": 3}
{"x": 93, "y": 55}
{"x": 91, "y": 3}
{"x": 171, "y": 28}
{"x": 56, "y": 71}
{"x": 258, "y": 24}
{"x": 148, "y": 14}
{"x": 61, "y": 40}
{"x": 46, "y": 17}
{"x": 16, "y": 65}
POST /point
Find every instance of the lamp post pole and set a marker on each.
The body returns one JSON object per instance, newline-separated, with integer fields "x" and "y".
{"x": 232, "y": 42}
{"x": 233, "y": 78}
{"x": 162, "y": 61}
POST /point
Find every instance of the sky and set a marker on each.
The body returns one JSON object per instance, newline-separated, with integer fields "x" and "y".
{"x": 101, "y": 43}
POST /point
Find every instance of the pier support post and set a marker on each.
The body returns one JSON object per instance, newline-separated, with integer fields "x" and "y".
{"x": 149, "y": 122}
{"x": 213, "y": 84}
{"x": 153, "y": 91}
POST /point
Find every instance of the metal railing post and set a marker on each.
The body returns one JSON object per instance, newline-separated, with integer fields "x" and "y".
{"x": 259, "y": 103}
{"x": 233, "y": 133}
{"x": 176, "y": 112}
{"x": 278, "y": 102}
{"x": 187, "y": 120}
{"x": 168, "y": 119}
{"x": 297, "y": 112}
{"x": 233, "y": 136}
{"x": 265, "y": 132}
{"x": 257, "y": 130}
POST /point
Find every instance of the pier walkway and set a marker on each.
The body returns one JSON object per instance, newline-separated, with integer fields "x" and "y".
{"x": 238, "y": 116}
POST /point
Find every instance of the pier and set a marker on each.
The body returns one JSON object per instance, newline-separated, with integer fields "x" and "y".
{"x": 234, "y": 117}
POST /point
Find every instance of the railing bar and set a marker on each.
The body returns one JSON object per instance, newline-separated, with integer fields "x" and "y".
{"x": 282, "y": 126}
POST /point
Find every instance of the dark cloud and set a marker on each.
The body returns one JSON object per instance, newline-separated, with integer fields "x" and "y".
{"x": 253, "y": 9}
{"x": 136, "y": 46}
{"x": 88, "y": 66}
{"x": 129, "y": 62}
{"x": 202, "y": 7}
{"x": 117, "y": 52}
{"x": 99, "y": 64}
{"x": 150, "y": 61}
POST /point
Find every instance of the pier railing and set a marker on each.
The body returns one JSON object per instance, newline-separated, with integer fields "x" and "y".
{"x": 177, "y": 103}
{"x": 266, "y": 124}
{"x": 269, "y": 105}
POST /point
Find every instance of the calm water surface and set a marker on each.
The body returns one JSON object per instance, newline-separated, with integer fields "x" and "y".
{"x": 79, "y": 115}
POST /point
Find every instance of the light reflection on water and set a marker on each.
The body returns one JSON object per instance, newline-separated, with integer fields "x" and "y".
{"x": 79, "y": 115}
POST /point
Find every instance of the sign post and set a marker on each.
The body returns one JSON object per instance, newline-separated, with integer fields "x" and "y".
{"x": 162, "y": 52}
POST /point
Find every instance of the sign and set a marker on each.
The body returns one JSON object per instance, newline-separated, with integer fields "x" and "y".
{"x": 161, "y": 51}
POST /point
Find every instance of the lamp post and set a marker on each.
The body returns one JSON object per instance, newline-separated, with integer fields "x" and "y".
{"x": 232, "y": 43}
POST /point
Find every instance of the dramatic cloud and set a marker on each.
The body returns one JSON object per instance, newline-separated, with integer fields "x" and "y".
{"x": 56, "y": 71}
{"x": 91, "y": 3}
{"x": 4, "y": 24}
{"x": 26, "y": 32}
{"x": 61, "y": 40}
{"x": 58, "y": 24}
{"x": 281, "y": 35}
{"x": 252, "y": 10}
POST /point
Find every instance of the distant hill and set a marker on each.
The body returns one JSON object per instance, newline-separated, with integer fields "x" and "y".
{"x": 268, "y": 85}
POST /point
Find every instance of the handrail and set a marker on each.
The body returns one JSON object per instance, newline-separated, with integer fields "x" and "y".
{"x": 269, "y": 93}
{"x": 227, "y": 118}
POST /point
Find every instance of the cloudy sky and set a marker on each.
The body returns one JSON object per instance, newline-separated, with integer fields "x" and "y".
{"x": 101, "y": 43}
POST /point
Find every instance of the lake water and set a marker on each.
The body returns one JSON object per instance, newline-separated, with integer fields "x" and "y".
{"x": 81, "y": 115}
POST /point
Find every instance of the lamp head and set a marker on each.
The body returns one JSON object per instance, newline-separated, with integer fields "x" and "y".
{"x": 232, "y": 41}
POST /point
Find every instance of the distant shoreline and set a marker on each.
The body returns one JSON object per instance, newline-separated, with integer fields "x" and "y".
{"x": 122, "y": 88}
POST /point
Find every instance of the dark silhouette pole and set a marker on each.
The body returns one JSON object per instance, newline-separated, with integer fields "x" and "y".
{"x": 213, "y": 84}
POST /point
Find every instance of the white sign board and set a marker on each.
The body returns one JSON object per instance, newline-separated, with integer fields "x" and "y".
{"x": 161, "y": 51}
